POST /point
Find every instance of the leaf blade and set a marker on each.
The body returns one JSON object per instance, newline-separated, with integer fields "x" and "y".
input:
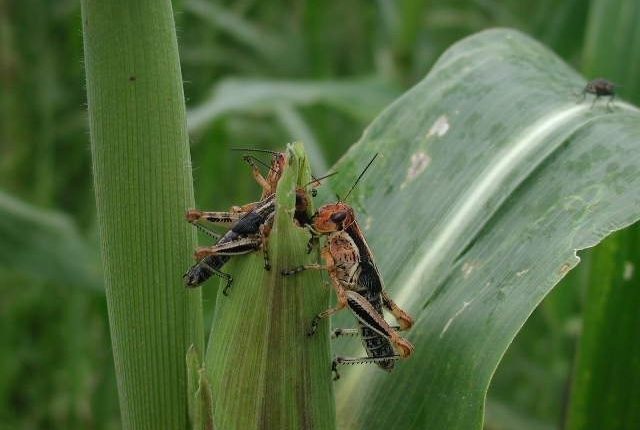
{"x": 516, "y": 181}
{"x": 265, "y": 372}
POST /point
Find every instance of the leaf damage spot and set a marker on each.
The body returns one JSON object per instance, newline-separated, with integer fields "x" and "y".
{"x": 564, "y": 269}
{"x": 465, "y": 305}
{"x": 419, "y": 162}
{"x": 440, "y": 127}
{"x": 467, "y": 268}
{"x": 522, "y": 272}
{"x": 629, "y": 268}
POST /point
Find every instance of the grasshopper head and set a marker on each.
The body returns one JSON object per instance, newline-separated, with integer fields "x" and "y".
{"x": 333, "y": 217}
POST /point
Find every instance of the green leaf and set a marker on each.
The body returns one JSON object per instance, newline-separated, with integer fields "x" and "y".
{"x": 263, "y": 43}
{"x": 491, "y": 177}
{"x": 203, "y": 414}
{"x": 604, "y": 392}
{"x": 265, "y": 372}
{"x": 361, "y": 98}
{"x": 193, "y": 362}
{"x": 45, "y": 245}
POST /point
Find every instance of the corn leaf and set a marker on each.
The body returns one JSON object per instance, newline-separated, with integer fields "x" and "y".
{"x": 492, "y": 175}
{"x": 265, "y": 372}
{"x": 604, "y": 393}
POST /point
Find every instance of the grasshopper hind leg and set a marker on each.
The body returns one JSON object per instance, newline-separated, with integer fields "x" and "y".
{"x": 338, "y": 361}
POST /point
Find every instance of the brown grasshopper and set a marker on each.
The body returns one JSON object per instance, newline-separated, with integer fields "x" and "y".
{"x": 358, "y": 285}
{"x": 250, "y": 225}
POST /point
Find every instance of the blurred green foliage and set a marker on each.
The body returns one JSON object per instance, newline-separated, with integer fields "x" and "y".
{"x": 56, "y": 368}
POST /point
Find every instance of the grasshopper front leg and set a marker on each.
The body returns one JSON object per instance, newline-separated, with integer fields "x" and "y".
{"x": 202, "y": 270}
{"x": 337, "y": 285}
{"x": 266, "y": 186}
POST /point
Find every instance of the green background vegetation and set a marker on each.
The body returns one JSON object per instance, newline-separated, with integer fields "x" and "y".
{"x": 260, "y": 74}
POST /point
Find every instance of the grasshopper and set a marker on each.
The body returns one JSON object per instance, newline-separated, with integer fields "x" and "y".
{"x": 250, "y": 225}
{"x": 358, "y": 286}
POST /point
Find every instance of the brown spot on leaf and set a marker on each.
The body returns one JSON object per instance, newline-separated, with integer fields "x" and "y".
{"x": 564, "y": 269}
{"x": 419, "y": 162}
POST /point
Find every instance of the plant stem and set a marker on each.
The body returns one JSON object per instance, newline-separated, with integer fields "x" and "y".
{"x": 143, "y": 185}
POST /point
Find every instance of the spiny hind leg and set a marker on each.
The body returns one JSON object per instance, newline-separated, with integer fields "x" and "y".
{"x": 404, "y": 319}
{"x": 339, "y": 361}
{"x": 367, "y": 315}
{"x": 244, "y": 209}
{"x": 338, "y": 332}
{"x": 242, "y": 246}
{"x": 337, "y": 285}
{"x": 220, "y": 219}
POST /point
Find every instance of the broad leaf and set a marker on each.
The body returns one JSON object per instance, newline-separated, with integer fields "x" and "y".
{"x": 607, "y": 374}
{"x": 491, "y": 177}
{"x": 607, "y": 368}
{"x": 45, "y": 245}
{"x": 361, "y": 98}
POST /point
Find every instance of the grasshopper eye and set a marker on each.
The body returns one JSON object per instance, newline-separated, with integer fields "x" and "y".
{"x": 338, "y": 217}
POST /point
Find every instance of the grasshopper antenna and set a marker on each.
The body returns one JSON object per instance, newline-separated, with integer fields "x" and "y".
{"x": 319, "y": 179}
{"x": 254, "y": 150}
{"x": 259, "y": 161}
{"x": 358, "y": 180}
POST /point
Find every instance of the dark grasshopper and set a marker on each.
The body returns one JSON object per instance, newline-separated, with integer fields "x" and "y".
{"x": 358, "y": 285}
{"x": 250, "y": 226}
